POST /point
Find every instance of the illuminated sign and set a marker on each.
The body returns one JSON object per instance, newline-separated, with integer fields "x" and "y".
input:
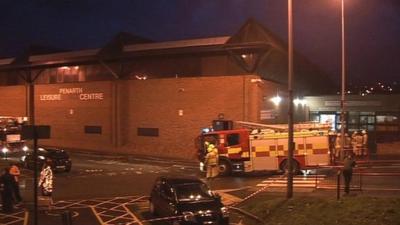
{"x": 91, "y": 96}
{"x": 55, "y": 97}
{"x": 67, "y": 91}
{"x": 79, "y": 92}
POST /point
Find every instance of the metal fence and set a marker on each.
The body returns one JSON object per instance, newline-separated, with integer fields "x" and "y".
{"x": 331, "y": 178}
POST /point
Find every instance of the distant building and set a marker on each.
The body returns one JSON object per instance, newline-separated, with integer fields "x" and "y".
{"x": 377, "y": 114}
{"x": 141, "y": 97}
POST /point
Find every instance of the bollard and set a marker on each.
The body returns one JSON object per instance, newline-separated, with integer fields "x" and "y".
{"x": 66, "y": 217}
{"x": 338, "y": 185}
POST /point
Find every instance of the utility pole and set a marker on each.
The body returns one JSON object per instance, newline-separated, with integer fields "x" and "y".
{"x": 289, "y": 193}
{"x": 342, "y": 100}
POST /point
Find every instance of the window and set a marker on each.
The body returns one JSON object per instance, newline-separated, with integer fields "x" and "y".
{"x": 92, "y": 129}
{"x": 64, "y": 74}
{"x": 314, "y": 116}
{"x": 386, "y": 119}
{"x": 232, "y": 139}
{"x": 387, "y": 122}
{"x": 150, "y": 132}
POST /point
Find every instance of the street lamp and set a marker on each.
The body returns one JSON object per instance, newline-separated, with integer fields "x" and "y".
{"x": 289, "y": 193}
{"x": 342, "y": 101}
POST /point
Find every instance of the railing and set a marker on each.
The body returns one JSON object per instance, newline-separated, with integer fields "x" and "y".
{"x": 334, "y": 177}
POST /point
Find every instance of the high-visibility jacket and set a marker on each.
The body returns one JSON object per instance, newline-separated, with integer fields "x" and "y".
{"x": 14, "y": 170}
{"x": 46, "y": 179}
{"x": 365, "y": 139}
{"x": 211, "y": 158}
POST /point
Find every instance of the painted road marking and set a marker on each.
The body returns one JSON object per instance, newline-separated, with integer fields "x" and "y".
{"x": 108, "y": 211}
{"x": 114, "y": 212}
{"x": 13, "y": 218}
{"x": 298, "y": 181}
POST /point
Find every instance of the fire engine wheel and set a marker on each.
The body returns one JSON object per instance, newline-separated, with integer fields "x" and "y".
{"x": 225, "y": 168}
{"x": 285, "y": 167}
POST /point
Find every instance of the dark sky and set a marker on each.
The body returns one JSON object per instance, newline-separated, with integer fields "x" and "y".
{"x": 372, "y": 27}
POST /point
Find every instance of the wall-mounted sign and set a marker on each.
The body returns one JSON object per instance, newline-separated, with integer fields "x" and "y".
{"x": 56, "y": 97}
{"x": 67, "y": 91}
{"x": 79, "y": 92}
{"x": 91, "y": 96}
{"x": 353, "y": 103}
{"x": 268, "y": 114}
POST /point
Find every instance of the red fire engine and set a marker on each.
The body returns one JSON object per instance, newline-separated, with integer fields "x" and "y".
{"x": 246, "y": 150}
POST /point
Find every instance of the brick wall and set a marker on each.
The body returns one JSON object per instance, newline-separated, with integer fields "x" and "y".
{"x": 178, "y": 107}
{"x": 157, "y": 103}
{"x": 68, "y": 108}
{"x": 13, "y": 101}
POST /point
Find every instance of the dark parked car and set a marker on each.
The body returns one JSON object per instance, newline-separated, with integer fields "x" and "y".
{"x": 60, "y": 160}
{"x": 189, "y": 199}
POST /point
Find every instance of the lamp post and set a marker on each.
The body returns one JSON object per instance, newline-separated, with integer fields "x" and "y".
{"x": 289, "y": 193}
{"x": 342, "y": 101}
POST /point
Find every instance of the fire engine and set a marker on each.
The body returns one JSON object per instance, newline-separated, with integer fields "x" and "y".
{"x": 266, "y": 148}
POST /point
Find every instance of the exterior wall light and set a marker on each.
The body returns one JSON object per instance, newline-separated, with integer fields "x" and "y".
{"x": 299, "y": 101}
{"x": 276, "y": 100}
{"x": 141, "y": 77}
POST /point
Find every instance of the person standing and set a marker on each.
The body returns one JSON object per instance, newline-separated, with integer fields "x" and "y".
{"x": 211, "y": 161}
{"x": 364, "y": 150}
{"x": 348, "y": 165}
{"x": 46, "y": 179}
{"x": 348, "y": 149}
{"x": 332, "y": 148}
{"x": 15, "y": 172}
{"x": 359, "y": 144}
{"x": 7, "y": 183}
{"x": 338, "y": 146}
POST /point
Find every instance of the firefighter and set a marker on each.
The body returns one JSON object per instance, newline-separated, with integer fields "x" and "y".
{"x": 358, "y": 144}
{"x": 364, "y": 149}
{"x": 211, "y": 161}
{"x": 15, "y": 172}
{"x": 347, "y": 145}
{"x": 6, "y": 189}
{"x": 332, "y": 148}
{"x": 46, "y": 179}
{"x": 338, "y": 146}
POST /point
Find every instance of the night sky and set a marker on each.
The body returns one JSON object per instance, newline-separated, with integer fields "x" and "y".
{"x": 372, "y": 27}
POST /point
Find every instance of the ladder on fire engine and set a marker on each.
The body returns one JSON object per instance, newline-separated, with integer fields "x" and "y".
{"x": 284, "y": 127}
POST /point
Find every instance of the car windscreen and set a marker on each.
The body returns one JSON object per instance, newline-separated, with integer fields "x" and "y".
{"x": 193, "y": 192}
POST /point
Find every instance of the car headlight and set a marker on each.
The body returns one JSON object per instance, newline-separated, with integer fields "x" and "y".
{"x": 224, "y": 211}
{"x": 188, "y": 216}
{"x": 4, "y": 150}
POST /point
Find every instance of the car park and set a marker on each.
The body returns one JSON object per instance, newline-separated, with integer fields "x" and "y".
{"x": 60, "y": 160}
{"x": 186, "y": 201}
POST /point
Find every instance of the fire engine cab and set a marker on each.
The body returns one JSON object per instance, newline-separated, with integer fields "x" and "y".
{"x": 266, "y": 148}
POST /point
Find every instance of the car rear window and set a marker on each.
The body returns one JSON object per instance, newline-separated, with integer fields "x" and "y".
{"x": 193, "y": 192}
{"x": 58, "y": 154}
